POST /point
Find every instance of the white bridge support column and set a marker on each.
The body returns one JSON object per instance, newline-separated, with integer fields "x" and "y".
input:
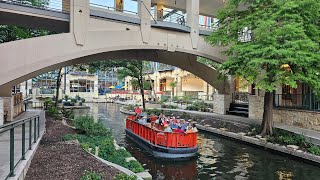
{"x": 79, "y": 20}
{"x": 145, "y": 19}
{"x": 193, "y": 21}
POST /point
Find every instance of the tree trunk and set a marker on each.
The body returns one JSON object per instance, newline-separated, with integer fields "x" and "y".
{"x": 58, "y": 83}
{"x": 140, "y": 81}
{"x": 267, "y": 122}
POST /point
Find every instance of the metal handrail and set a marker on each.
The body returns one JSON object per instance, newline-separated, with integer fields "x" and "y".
{"x": 173, "y": 18}
{"x": 113, "y": 8}
{"x": 52, "y": 5}
{"x": 11, "y": 127}
{"x": 308, "y": 102}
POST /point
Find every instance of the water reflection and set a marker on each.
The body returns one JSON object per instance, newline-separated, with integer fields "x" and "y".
{"x": 218, "y": 158}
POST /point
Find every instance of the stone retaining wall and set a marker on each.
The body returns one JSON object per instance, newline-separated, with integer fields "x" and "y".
{"x": 297, "y": 118}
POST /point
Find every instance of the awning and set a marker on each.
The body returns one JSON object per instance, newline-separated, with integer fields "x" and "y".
{"x": 160, "y": 92}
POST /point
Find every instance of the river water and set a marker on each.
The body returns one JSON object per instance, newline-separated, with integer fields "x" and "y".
{"x": 218, "y": 158}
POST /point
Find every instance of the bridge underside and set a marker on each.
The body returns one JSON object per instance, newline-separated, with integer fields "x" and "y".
{"x": 184, "y": 61}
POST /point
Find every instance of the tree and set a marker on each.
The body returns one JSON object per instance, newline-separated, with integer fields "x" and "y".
{"x": 271, "y": 43}
{"x": 173, "y": 84}
{"x": 132, "y": 68}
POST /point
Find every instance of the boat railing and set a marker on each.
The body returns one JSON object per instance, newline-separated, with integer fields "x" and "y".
{"x": 160, "y": 138}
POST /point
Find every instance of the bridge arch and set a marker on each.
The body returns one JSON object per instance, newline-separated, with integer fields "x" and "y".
{"x": 24, "y": 59}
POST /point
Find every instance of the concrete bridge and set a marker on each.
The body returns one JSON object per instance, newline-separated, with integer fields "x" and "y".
{"x": 88, "y": 32}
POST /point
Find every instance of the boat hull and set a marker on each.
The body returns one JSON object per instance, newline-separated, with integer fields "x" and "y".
{"x": 160, "y": 151}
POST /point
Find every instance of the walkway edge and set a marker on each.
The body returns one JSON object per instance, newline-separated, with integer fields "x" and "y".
{"x": 262, "y": 143}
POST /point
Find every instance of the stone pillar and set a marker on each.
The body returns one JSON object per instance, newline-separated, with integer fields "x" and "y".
{"x": 221, "y": 102}
{"x": 256, "y": 106}
{"x": 118, "y": 5}
{"x": 193, "y": 21}
{"x": 159, "y": 12}
{"x": 145, "y": 22}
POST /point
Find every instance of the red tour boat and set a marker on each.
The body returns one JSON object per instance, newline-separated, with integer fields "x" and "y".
{"x": 162, "y": 144}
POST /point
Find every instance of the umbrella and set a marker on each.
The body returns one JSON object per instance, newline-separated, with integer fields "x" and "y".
{"x": 160, "y": 92}
{"x": 111, "y": 87}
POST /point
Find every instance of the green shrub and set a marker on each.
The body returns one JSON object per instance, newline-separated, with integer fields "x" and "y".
{"x": 123, "y": 176}
{"x": 66, "y": 97}
{"x": 169, "y": 106}
{"x": 314, "y": 150}
{"x": 192, "y": 108}
{"x": 67, "y": 113}
{"x": 134, "y": 166}
{"x": 73, "y": 100}
{"x": 59, "y": 100}
{"x": 88, "y": 175}
{"x": 153, "y": 111}
{"x": 164, "y": 99}
{"x": 91, "y": 128}
{"x": 83, "y": 100}
{"x": 80, "y": 103}
{"x": 53, "y": 111}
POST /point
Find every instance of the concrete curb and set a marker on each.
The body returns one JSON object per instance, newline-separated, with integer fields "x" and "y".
{"x": 262, "y": 143}
{"x": 120, "y": 168}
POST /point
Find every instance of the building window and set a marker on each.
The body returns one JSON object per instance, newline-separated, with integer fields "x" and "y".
{"x": 81, "y": 85}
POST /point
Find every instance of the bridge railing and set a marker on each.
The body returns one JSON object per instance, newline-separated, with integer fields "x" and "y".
{"x": 111, "y": 8}
{"x": 62, "y": 6}
{"x": 170, "y": 16}
{"x": 13, "y": 141}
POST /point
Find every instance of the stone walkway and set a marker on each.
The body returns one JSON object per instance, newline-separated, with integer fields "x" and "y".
{"x": 312, "y": 136}
{"x": 5, "y": 141}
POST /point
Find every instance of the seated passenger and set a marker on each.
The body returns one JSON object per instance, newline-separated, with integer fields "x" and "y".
{"x": 194, "y": 127}
{"x": 190, "y": 130}
{"x": 179, "y": 130}
{"x": 167, "y": 128}
{"x": 148, "y": 124}
{"x": 174, "y": 124}
{"x": 143, "y": 120}
{"x": 184, "y": 125}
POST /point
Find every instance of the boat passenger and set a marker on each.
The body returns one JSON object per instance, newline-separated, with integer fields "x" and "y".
{"x": 167, "y": 128}
{"x": 148, "y": 124}
{"x": 190, "y": 130}
{"x": 143, "y": 120}
{"x": 194, "y": 127}
{"x": 184, "y": 125}
{"x": 179, "y": 130}
{"x": 174, "y": 124}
